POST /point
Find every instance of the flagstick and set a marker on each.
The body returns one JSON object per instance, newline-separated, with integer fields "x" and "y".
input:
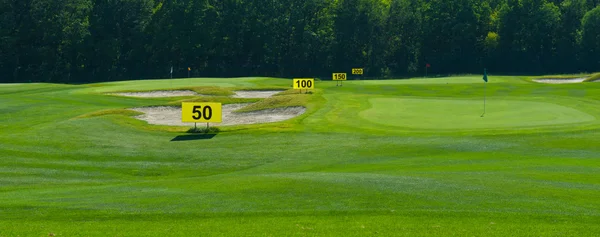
{"x": 484, "y": 97}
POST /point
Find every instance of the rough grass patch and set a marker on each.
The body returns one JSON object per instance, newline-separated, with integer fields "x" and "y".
{"x": 293, "y": 92}
{"x": 202, "y": 90}
{"x": 222, "y": 100}
{"x": 212, "y": 90}
{"x": 278, "y": 102}
{"x": 124, "y": 112}
{"x": 593, "y": 77}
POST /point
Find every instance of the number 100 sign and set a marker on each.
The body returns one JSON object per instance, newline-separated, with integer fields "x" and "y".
{"x": 304, "y": 83}
{"x": 201, "y": 112}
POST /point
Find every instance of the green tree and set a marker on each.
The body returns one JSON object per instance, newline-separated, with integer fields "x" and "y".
{"x": 572, "y": 11}
{"x": 528, "y": 31}
{"x": 454, "y": 32}
{"x": 42, "y": 40}
{"x": 404, "y": 37}
{"x": 183, "y": 34}
{"x": 296, "y": 43}
{"x": 116, "y": 39}
{"x": 590, "y": 39}
{"x": 8, "y": 39}
{"x": 359, "y": 35}
{"x": 491, "y": 43}
{"x": 72, "y": 40}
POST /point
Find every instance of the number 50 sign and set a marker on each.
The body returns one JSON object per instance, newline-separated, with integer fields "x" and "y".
{"x": 201, "y": 112}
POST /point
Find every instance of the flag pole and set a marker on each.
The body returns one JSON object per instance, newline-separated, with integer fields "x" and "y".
{"x": 484, "y": 90}
{"x": 484, "y": 97}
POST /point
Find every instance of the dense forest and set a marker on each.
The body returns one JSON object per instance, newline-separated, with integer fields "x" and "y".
{"x": 104, "y": 40}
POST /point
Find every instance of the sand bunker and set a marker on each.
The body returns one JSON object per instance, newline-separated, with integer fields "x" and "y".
{"x": 153, "y": 94}
{"x": 170, "y": 115}
{"x": 560, "y": 81}
{"x": 255, "y": 94}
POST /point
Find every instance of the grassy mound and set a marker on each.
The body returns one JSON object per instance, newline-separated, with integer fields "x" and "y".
{"x": 593, "y": 78}
{"x": 222, "y": 100}
{"x": 212, "y": 90}
{"x": 124, "y": 112}
{"x": 278, "y": 102}
{"x": 202, "y": 90}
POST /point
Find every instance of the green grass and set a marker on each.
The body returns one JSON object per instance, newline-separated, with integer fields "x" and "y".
{"x": 370, "y": 158}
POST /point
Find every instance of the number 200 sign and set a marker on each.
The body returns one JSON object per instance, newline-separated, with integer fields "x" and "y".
{"x": 201, "y": 112}
{"x": 357, "y": 71}
{"x": 304, "y": 83}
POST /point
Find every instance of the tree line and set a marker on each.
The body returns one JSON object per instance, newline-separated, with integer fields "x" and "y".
{"x": 104, "y": 40}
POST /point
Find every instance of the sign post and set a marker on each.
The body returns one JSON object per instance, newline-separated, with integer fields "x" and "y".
{"x": 201, "y": 112}
{"x": 303, "y": 83}
{"x": 339, "y": 77}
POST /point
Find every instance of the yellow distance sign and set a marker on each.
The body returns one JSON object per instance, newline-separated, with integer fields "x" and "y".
{"x": 201, "y": 112}
{"x": 357, "y": 71}
{"x": 339, "y": 76}
{"x": 304, "y": 83}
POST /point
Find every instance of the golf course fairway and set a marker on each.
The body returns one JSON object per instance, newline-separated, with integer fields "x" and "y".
{"x": 369, "y": 158}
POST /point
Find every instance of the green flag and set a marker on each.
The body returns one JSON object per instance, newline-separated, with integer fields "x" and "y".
{"x": 485, "y": 75}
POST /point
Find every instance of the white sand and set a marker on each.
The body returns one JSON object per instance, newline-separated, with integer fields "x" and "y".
{"x": 560, "y": 81}
{"x": 171, "y": 115}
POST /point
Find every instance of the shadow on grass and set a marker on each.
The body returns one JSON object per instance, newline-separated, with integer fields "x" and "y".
{"x": 193, "y": 137}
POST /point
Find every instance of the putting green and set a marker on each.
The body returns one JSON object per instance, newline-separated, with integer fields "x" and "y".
{"x": 465, "y": 114}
